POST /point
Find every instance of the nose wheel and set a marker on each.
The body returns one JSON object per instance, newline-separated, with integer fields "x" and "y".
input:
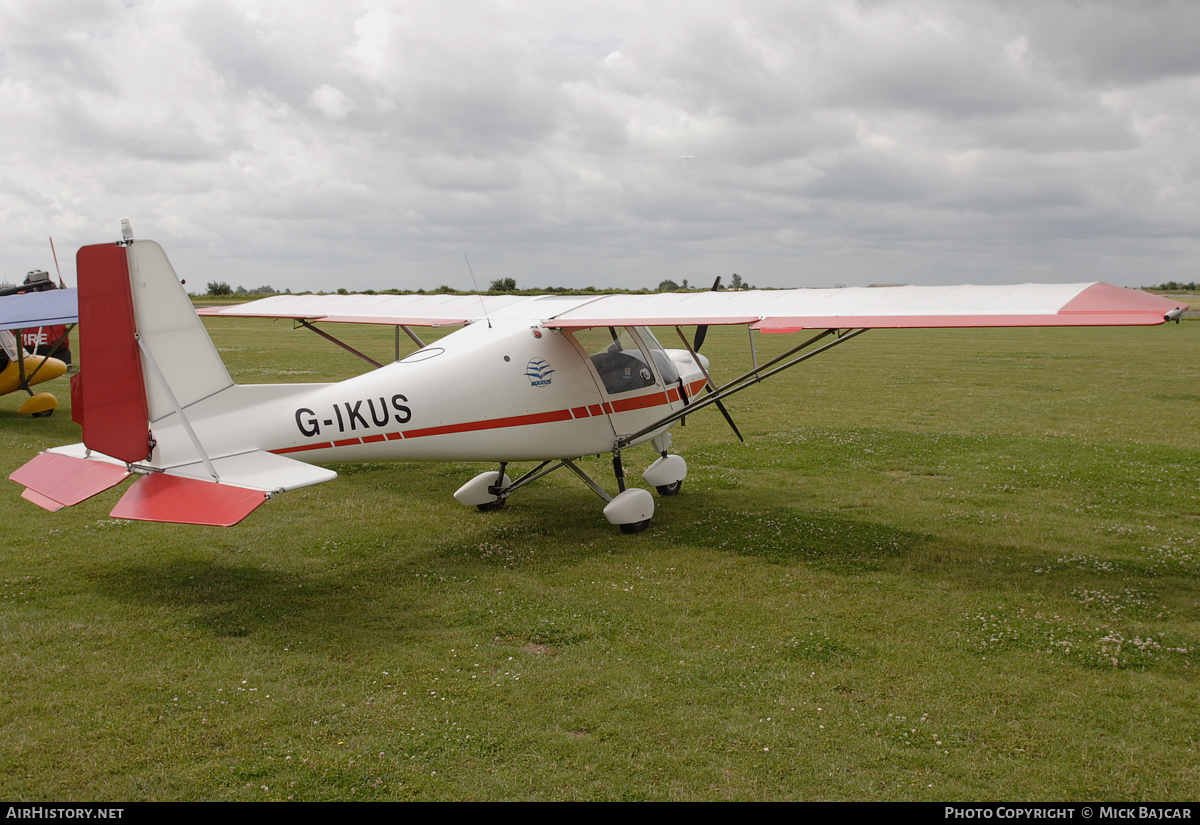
{"x": 666, "y": 474}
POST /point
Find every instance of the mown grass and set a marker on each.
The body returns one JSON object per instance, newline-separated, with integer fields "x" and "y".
{"x": 945, "y": 565}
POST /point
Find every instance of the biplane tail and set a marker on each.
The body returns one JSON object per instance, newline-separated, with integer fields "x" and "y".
{"x": 150, "y": 378}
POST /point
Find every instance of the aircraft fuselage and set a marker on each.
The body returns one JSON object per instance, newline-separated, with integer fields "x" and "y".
{"x": 500, "y": 392}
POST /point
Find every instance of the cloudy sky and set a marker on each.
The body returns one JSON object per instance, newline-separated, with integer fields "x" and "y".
{"x": 367, "y": 145}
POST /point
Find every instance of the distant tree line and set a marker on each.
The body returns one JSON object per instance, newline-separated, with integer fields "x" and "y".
{"x": 735, "y": 282}
{"x": 218, "y": 289}
{"x": 1175, "y": 286}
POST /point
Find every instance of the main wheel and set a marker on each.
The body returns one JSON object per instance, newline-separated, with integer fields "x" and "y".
{"x": 42, "y": 414}
{"x": 670, "y": 489}
{"x": 635, "y": 527}
{"x": 491, "y": 506}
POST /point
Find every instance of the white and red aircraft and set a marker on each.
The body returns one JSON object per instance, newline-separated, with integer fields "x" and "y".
{"x": 546, "y": 379}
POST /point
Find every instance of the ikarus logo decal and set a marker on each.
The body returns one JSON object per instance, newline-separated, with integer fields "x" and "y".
{"x": 538, "y": 372}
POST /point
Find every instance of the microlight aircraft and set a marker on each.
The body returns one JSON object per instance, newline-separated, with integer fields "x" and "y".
{"x": 544, "y": 379}
{"x": 21, "y": 370}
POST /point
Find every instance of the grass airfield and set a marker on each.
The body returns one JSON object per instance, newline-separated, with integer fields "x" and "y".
{"x": 946, "y": 565}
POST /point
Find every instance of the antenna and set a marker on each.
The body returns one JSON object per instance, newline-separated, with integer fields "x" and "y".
{"x": 56, "y": 266}
{"x": 482, "y": 302}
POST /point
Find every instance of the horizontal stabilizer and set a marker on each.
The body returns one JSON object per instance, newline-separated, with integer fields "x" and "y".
{"x": 162, "y": 497}
{"x": 63, "y": 480}
{"x": 185, "y": 494}
{"x": 257, "y": 470}
{"x": 188, "y": 494}
{"x": 42, "y": 501}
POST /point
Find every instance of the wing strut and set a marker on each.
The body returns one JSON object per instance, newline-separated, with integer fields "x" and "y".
{"x": 304, "y": 323}
{"x": 747, "y": 379}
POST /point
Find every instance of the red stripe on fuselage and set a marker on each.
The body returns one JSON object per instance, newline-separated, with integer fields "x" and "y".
{"x": 303, "y": 448}
{"x": 492, "y": 424}
{"x": 620, "y": 405}
{"x": 640, "y": 402}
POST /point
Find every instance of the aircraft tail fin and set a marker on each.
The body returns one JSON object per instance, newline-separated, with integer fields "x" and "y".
{"x": 145, "y": 353}
{"x": 113, "y": 413}
{"x": 147, "y": 359}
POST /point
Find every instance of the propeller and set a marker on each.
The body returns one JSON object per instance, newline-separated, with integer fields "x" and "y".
{"x": 702, "y": 329}
{"x": 701, "y": 332}
{"x": 728, "y": 418}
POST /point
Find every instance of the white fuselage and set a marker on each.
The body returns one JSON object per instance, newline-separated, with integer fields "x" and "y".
{"x": 505, "y": 391}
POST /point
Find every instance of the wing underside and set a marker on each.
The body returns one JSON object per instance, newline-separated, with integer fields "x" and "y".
{"x": 39, "y": 309}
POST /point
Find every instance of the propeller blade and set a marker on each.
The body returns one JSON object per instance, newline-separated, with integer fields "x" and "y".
{"x": 728, "y": 418}
{"x": 702, "y": 330}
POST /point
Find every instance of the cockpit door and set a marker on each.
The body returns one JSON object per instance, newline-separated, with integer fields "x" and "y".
{"x": 628, "y": 374}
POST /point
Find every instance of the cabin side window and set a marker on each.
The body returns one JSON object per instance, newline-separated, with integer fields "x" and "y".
{"x": 666, "y": 367}
{"x": 617, "y": 357}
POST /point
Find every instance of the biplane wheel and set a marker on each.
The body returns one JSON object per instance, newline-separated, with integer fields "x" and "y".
{"x": 42, "y": 414}
{"x": 635, "y": 527}
{"x": 491, "y": 506}
{"x": 670, "y": 489}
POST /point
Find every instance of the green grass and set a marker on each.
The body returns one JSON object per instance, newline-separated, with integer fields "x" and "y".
{"x": 945, "y": 565}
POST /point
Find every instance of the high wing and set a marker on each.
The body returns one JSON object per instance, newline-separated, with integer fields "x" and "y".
{"x": 405, "y": 310}
{"x": 1024, "y": 305}
{"x": 39, "y": 309}
{"x": 824, "y": 311}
